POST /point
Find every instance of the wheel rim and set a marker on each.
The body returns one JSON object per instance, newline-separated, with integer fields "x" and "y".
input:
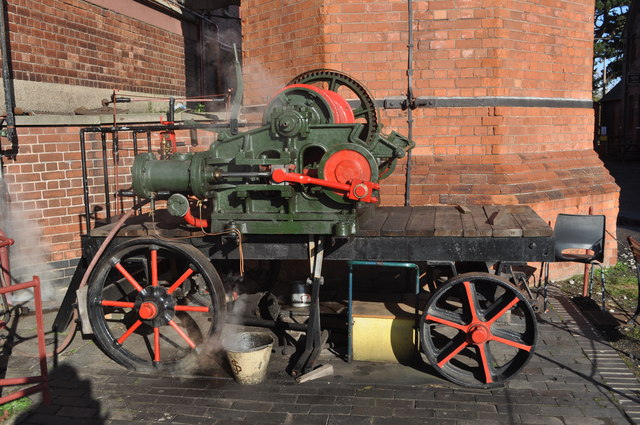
{"x": 478, "y": 331}
{"x": 152, "y": 303}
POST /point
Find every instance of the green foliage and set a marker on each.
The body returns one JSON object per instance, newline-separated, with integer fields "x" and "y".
{"x": 610, "y": 19}
{"x": 16, "y": 406}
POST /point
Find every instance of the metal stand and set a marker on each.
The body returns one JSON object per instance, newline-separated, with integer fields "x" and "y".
{"x": 315, "y": 338}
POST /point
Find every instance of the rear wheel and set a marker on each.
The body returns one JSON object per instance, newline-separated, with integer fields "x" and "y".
{"x": 477, "y": 330}
{"x": 154, "y": 303}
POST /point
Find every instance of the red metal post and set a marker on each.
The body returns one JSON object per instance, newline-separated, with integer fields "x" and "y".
{"x": 5, "y": 243}
{"x": 42, "y": 381}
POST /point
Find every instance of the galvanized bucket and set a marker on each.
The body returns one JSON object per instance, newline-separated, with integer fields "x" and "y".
{"x": 248, "y": 354}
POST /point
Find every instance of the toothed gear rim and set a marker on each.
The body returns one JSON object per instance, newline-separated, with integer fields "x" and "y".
{"x": 335, "y": 80}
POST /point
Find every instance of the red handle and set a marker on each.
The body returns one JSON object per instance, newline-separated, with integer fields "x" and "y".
{"x": 357, "y": 190}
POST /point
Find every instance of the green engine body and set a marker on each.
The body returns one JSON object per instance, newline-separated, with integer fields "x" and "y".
{"x": 309, "y": 132}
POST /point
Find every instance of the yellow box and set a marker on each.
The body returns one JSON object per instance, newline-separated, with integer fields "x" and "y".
{"x": 384, "y": 332}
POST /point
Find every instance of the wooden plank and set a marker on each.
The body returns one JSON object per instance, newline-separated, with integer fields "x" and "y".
{"x": 448, "y": 221}
{"x": 482, "y": 227}
{"x": 372, "y": 223}
{"x": 531, "y": 223}
{"x": 396, "y": 222}
{"x": 507, "y": 226}
{"x": 422, "y": 221}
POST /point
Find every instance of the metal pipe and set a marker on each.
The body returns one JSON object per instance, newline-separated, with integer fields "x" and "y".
{"x": 105, "y": 173}
{"x": 85, "y": 177}
{"x": 7, "y": 77}
{"x": 410, "y": 102}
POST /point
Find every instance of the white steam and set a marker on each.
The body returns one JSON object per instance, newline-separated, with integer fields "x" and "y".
{"x": 28, "y": 255}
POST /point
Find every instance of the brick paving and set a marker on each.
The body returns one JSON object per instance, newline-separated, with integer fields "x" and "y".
{"x": 573, "y": 379}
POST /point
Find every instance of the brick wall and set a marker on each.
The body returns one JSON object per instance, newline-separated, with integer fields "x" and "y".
{"x": 504, "y": 145}
{"x": 279, "y": 50}
{"x": 74, "y": 42}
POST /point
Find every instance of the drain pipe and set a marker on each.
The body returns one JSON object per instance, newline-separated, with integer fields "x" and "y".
{"x": 410, "y": 102}
{"x": 7, "y": 78}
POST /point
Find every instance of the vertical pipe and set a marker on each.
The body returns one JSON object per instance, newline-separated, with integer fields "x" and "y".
{"x": 7, "y": 78}
{"x": 410, "y": 100}
{"x": 105, "y": 173}
{"x": 85, "y": 178}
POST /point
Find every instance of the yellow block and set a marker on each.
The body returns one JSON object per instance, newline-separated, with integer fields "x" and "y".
{"x": 383, "y": 332}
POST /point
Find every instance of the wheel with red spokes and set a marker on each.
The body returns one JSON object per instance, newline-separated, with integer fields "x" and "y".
{"x": 153, "y": 303}
{"x": 477, "y": 330}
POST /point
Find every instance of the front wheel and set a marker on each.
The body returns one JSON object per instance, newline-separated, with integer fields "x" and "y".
{"x": 154, "y": 303}
{"x": 477, "y": 330}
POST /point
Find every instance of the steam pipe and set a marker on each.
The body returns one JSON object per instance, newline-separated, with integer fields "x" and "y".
{"x": 7, "y": 78}
{"x": 237, "y": 100}
{"x": 195, "y": 222}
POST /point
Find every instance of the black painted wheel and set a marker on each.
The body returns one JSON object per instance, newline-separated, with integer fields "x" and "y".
{"x": 477, "y": 330}
{"x": 348, "y": 88}
{"x": 154, "y": 303}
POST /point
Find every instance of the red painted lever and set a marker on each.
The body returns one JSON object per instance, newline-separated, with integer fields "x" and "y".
{"x": 357, "y": 190}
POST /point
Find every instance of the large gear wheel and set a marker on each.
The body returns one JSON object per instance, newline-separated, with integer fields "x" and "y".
{"x": 348, "y": 88}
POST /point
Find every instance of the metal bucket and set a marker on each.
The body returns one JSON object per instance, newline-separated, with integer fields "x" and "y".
{"x": 248, "y": 354}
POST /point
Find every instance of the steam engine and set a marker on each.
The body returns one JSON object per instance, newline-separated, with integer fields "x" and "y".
{"x": 304, "y": 171}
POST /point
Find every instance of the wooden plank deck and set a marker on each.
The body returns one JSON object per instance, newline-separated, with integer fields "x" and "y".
{"x": 422, "y": 233}
{"x": 473, "y": 221}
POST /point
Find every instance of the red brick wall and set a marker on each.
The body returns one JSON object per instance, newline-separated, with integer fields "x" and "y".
{"x": 77, "y": 43}
{"x": 282, "y": 39}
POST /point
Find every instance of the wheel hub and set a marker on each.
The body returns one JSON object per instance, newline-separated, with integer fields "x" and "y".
{"x": 478, "y": 334}
{"x": 148, "y": 310}
{"x": 155, "y": 306}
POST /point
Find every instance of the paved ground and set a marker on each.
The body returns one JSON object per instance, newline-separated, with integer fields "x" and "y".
{"x": 572, "y": 379}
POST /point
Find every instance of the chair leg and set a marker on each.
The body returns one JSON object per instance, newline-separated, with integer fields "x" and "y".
{"x": 591, "y": 280}
{"x": 604, "y": 292}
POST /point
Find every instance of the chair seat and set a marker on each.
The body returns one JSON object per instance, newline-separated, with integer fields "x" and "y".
{"x": 577, "y": 258}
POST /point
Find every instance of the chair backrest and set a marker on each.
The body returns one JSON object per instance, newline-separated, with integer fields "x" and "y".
{"x": 574, "y": 231}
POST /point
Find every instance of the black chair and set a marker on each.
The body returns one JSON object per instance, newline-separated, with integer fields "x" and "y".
{"x": 580, "y": 232}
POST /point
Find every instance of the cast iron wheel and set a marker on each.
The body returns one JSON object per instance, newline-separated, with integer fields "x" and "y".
{"x": 153, "y": 303}
{"x": 347, "y": 87}
{"x": 477, "y": 330}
